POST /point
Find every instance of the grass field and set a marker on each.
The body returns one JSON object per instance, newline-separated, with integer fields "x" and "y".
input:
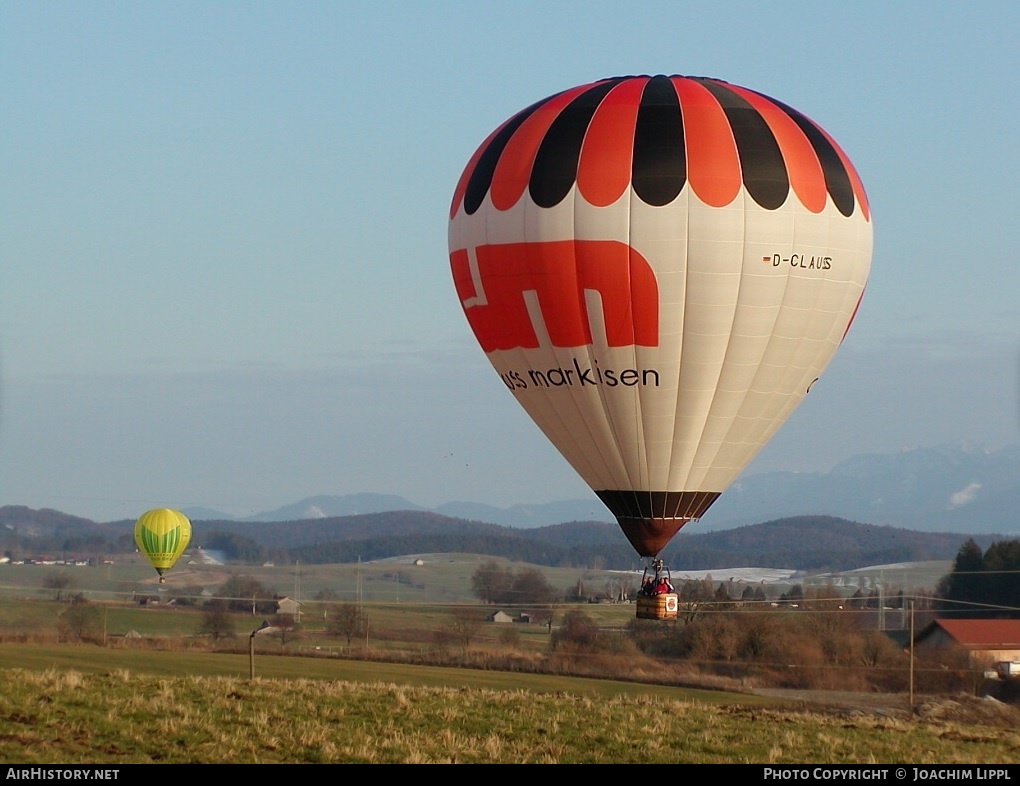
{"x": 112, "y": 715}
{"x": 413, "y": 601}
{"x": 442, "y": 578}
{"x": 90, "y": 659}
{"x": 168, "y": 698}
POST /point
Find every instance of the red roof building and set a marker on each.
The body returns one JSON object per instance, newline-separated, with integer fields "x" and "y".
{"x": 986, "y": 641}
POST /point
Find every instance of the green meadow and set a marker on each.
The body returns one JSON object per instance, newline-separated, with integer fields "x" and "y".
{"x": 65, "y": 715}
{"x": 146, "y": 686}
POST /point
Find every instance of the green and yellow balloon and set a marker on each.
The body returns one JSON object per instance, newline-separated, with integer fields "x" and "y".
{"x": 162, "y": 535}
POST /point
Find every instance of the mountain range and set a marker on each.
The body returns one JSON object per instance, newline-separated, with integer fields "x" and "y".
{"x": 916, "y": 505}
{"x": 942, "y": 489}
{"x": 806, "y": 543}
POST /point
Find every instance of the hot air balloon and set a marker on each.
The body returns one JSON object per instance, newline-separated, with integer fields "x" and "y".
{"x": 659, "y": 268}
{"x": 162, "y": 535}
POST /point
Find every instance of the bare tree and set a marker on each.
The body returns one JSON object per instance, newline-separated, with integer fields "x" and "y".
{"x": 217, "y": 622}
{"x": 530, "y": 586}
{"x": 578, "y": 632}
{"x": 465, "y": 626}
{"x": 80, "y": 621}
{"x": 510, "y": 638}
{"x": 491, "y": 582}
{"x": 244, "y": 592}
{"x": 618, "y": 589}
{"x": 347, "y": 621}
{"x": 494, "y": 583}
{"x": 285, "y": 628}
{"x": 58, "y": 583}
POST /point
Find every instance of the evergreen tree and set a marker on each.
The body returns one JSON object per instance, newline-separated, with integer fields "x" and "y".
{"x": 963, "y": 585}
{"x": 1002, "y": 563}
{"x": 982, "y": 585}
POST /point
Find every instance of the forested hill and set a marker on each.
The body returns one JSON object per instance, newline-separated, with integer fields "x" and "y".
{"x": 799, "y": 543}
{"x": 811, "y": 543}
{"x": 381, "y": 535}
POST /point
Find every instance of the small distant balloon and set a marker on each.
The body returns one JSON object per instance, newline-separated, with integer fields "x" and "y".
{"x": 162, "y": 535}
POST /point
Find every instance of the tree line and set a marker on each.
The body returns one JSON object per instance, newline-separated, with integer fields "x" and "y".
{"x": 982, "y": 584}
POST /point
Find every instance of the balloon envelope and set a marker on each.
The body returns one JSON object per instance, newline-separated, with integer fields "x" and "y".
{"x": 659, "y": 268}
{"x": 162, "y": 535}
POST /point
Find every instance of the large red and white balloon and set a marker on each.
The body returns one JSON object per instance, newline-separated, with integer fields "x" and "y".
{"x": 659, "y": 268}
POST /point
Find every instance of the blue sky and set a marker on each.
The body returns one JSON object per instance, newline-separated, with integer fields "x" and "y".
{"x": 223, "y": 226}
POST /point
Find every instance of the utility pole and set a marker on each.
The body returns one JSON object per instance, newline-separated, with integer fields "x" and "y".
{"x": 881, "y": 600}
{"x": 911, "y": 708}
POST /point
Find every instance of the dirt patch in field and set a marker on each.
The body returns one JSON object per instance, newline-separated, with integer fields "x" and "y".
{"x": 984, "y": 711}
{"x": 887, "y": 704}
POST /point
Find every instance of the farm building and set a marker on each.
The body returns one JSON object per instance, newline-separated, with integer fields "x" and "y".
{"x": 288, "y": 606}
{"x": 985, "y": 641}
